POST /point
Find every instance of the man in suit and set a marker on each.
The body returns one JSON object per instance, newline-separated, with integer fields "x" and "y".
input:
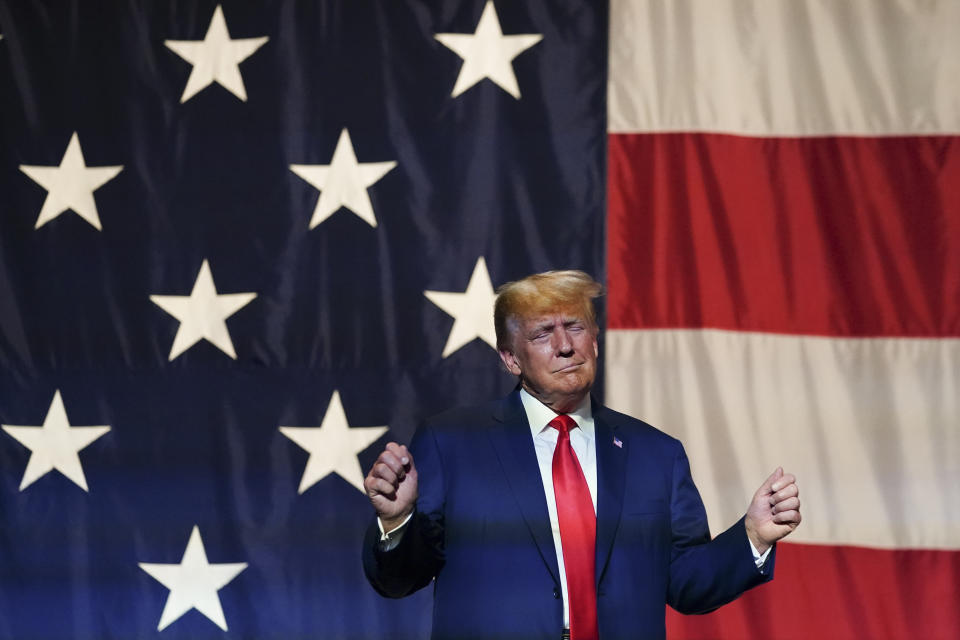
{"x": 546, "y": 513}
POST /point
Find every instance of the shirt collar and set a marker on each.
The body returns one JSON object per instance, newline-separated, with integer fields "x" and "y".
{"x": 539, "y": 415}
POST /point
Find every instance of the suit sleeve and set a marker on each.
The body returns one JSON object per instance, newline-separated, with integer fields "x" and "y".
{"x": 705, "y": 573}
{"x": 418, "y": 557}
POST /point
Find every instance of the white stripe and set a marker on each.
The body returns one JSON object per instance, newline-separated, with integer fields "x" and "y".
{"x": 785, "y": 67}
{"x": 870, "y": 427}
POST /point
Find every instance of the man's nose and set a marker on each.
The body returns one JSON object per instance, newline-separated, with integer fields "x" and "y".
{"x": 564, "y": 344}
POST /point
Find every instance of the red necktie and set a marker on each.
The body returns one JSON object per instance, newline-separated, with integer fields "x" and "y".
{"x": 578, "y": 533}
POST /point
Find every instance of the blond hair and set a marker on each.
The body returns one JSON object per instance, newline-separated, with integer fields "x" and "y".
{"x": 543, "y": 293}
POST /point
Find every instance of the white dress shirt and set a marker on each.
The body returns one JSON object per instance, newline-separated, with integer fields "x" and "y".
{"x": 582, "y": 441}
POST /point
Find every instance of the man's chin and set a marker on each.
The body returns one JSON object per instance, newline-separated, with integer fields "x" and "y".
{"x": 575, "y": 381}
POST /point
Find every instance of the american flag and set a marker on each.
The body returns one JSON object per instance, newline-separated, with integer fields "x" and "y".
{"x": 784, "y": 288}
{"x": 242, "y": 246}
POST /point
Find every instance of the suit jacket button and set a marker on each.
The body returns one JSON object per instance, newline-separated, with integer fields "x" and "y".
{"x": 556, "y": 593}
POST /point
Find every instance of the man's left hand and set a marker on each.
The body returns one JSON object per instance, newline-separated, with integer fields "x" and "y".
{"x": 774, "y": 511}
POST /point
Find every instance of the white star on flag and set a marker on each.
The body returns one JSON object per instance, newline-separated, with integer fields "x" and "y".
{"x": 487, "y": 53}
{"x": 472, "y": 310}
{"x": 216, "y": 58}
{"x": 55, "y": 445}
{"x": 193, "y": 583}
{"x": 333, "y": 446}
{"x": 343, "y": 182}
{"x": 70, "y": 185}
{"x": 203, "y": 314}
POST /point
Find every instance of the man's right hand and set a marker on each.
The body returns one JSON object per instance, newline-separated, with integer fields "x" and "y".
{"x": 391, "y": 485}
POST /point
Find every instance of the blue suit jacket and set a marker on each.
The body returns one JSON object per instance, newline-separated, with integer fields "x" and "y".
{"x": 482, "y": 532}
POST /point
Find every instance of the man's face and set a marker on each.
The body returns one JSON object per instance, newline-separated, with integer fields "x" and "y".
{"x": 555, "y": 356}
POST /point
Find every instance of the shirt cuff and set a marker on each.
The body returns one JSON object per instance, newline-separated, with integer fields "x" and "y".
{"x": 758, "y": 558}
{"x": 390, "y": 539}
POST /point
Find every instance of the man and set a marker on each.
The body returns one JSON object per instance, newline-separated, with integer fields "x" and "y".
{"x": 547, "y": 511}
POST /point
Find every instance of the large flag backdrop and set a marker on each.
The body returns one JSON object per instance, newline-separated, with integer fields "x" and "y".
{"x": 242, "y": 246}
{"x": 222, "y": 228}
{"x": 784, "y": 288}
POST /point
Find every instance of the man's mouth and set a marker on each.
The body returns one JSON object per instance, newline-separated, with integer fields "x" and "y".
{"x": 569, "y": 367}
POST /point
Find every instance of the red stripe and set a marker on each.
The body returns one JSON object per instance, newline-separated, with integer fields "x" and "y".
{"x": 840, "y": 593}
{"x": 824, "y": 236}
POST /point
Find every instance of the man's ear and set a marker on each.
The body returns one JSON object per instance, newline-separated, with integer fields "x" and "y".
{"x": 509, "y": 361}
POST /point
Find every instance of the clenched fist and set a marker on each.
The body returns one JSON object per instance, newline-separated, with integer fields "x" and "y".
{"x": 775, "y": 510}
{"x": 391, "y": 485}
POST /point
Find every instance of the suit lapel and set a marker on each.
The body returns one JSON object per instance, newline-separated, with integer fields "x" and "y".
{"x": 611, "y": 476}
{"x": 514, "y": 446}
